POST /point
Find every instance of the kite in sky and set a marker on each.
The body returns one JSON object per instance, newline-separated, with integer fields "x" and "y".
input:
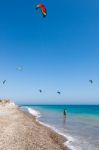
{"x": 43, "y": 9}
{"x": 19, "y": 68}
{"x": 4, "y": 81}
{"x": 58, "y": 92}
{"x": 40, "y": 90}
{"x": 91, "y": 81}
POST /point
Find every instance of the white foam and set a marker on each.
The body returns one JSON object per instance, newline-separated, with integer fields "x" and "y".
{"x": 69, "y": 139}
{"x": 35, "y": 113}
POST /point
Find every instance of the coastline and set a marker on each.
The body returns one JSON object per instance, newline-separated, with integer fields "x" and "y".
{"x": 86, "y": 134}
{"x": 68, "y": 138}
{"x": 20, "y": 131}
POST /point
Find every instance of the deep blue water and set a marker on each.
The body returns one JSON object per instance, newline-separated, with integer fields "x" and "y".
{"x": 81, "y": 123}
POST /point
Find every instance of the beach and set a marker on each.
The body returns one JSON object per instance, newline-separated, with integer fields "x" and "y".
{"x": 80, "y": 127}
{"x": 20, "y": 131}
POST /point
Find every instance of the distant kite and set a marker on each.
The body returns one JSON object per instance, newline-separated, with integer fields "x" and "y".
{"x": 91, "y": 81}
{"x": 19, "y": 68}
{"x": 58, "y": 92}
{"x": 43, "y": 9}
{"x": 40, "y": 90}
{"x": 4, "y": 81}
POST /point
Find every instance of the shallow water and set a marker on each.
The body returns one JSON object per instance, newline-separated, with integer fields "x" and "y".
{"x": 81, "y": 123}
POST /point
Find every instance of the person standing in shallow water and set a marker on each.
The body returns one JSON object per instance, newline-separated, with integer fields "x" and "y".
{"x": 65, "y": 113}
{"x": 64, "y": 118}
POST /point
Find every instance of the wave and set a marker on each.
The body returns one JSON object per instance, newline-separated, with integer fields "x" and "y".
{"x": 35, "y": 113}
{"x": 68, "y": 138}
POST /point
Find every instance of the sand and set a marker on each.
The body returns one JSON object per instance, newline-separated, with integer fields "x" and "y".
{"x": 21, "y": 131}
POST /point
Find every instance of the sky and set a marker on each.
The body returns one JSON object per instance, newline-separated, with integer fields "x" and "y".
{"x": 59, "y": 52}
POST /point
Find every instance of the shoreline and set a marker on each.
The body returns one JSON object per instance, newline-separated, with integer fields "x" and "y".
{"x": 60, "y": 138}
{"x": 20, "y": 131}
{"x": 78, "y": 141}
{"x": 37, "y": 115}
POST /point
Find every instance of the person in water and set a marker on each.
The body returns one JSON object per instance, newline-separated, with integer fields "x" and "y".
{"x": 64, "y": 118}
{"x": 65, "y": 113}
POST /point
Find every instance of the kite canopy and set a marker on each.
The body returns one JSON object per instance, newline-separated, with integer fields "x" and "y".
{"x": 4, "y": 81}
{"x": 43, "y": 9}
{"x": 40, "y": 90}
{"x": 58, "y": 92}
{"x": 19, "y": 68}
{"x": 91, "y": 81}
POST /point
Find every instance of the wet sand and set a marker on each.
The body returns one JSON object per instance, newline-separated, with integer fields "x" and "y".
{"x": 20, "y": 131}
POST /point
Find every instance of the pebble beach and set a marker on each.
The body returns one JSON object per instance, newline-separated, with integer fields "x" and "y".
{"x": 20, "y": 131}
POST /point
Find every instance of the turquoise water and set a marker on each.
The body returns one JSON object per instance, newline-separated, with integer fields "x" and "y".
{"x": 81, "y": 125}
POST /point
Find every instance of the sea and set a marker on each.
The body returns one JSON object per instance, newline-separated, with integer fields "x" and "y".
{"x": 80, "y": 126}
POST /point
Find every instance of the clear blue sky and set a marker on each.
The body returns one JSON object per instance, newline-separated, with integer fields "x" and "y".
{"x": 59, "y": 52}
